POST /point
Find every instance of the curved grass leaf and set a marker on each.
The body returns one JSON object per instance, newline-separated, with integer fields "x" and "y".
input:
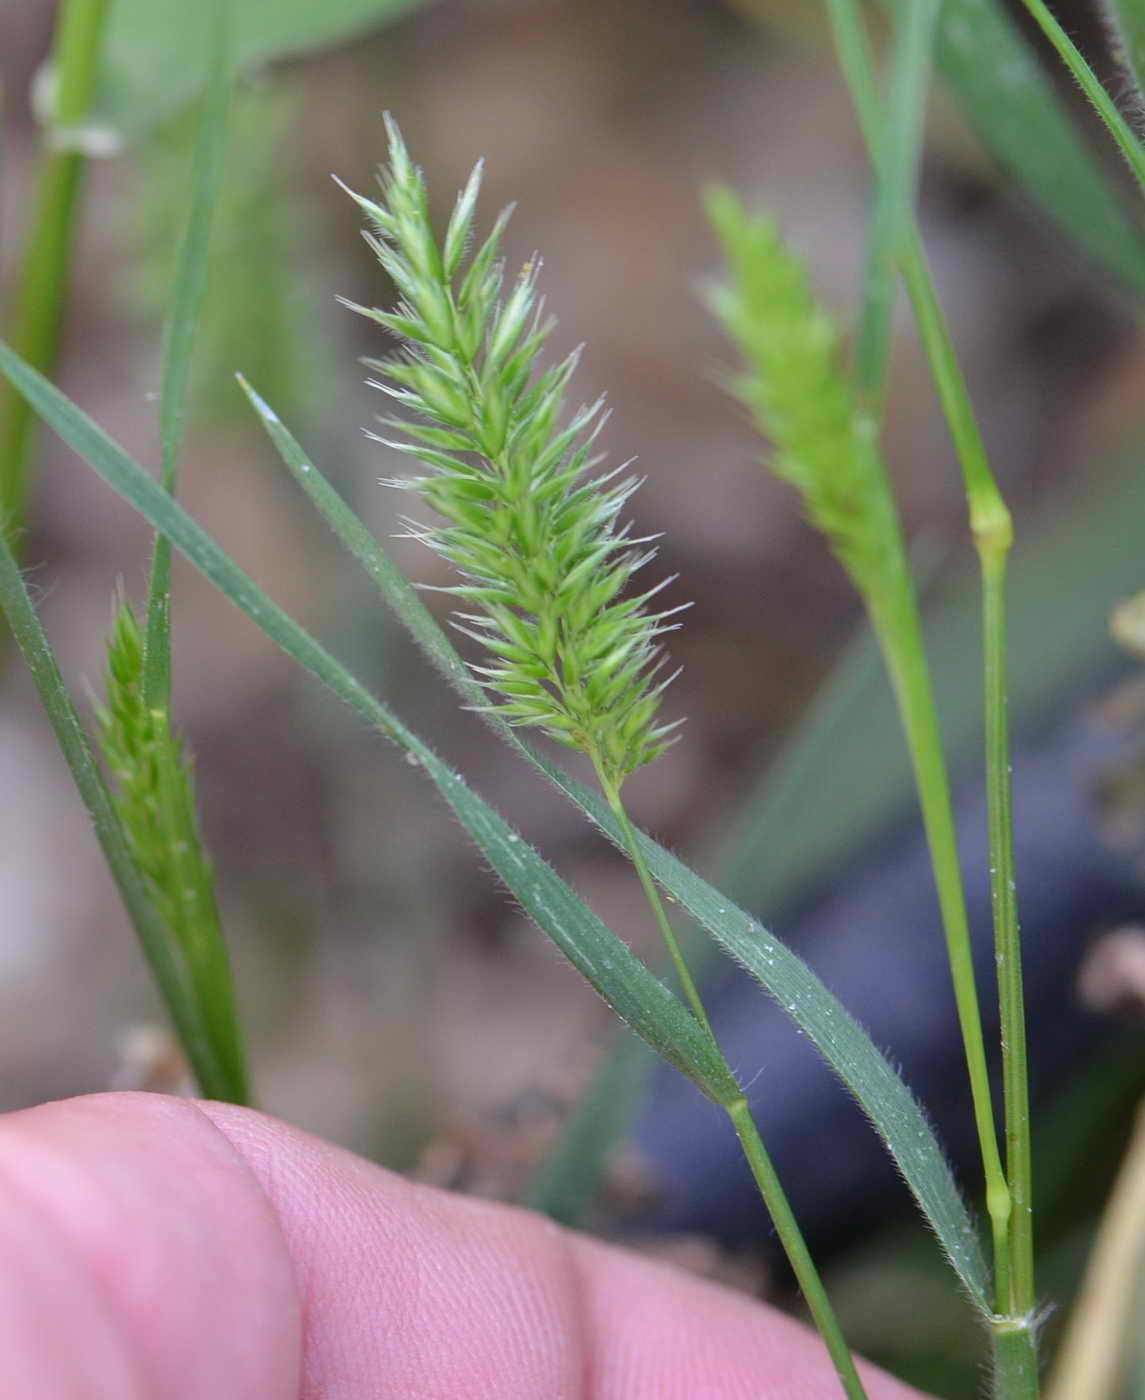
{"x": 145, "y": 75}
{"x": 1012, "y": 106}
{"x": 633, "y": 992}
{"x": 890, "y": 1106}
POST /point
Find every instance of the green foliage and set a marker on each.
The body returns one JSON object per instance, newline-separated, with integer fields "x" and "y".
{"x": 536, "y": 540}
{"x": 255, "y": 312}
{"x": 145, "y": 72}
{"x": 796, "y": 989}
{"x": 634, "y": 993}
{"x": 1010, "y": 101}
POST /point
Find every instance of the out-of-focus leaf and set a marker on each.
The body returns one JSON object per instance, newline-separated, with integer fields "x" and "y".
{"x": 1012, "y": 106}
{"x": 257, "y": 314}
{"x": 146, "y": 73}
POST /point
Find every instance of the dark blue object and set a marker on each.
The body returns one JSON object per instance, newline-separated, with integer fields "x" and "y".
{"x": 876, "y": 940}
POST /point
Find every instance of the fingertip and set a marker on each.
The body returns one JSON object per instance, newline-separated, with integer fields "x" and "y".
{"x": 150, "y": 1253}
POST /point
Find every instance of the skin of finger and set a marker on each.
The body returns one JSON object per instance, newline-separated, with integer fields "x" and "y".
{"x": 486, "y": 1300}
{"x": 186, "y": 1251}
{"x": 139, "y": 1259}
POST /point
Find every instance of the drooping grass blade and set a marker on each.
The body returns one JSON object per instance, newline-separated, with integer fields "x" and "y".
{"x": 886, "y": 1100}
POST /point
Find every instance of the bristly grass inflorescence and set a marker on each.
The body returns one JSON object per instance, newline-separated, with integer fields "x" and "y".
{"x": 537, "y": 539}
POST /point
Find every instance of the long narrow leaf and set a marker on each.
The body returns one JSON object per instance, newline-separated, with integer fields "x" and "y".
{"x": 1011, "y": 103}
{"x": 146, "y": 76}
{"x": 896, "y": 176}
{"x": 634, "y": 993}
{"x": 886, "y": 1100}
{"x": 179, "y": 336}
{"x": 1108, "y": 110}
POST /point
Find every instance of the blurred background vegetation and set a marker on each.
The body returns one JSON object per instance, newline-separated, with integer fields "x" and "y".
{"x": 394, "y": 999}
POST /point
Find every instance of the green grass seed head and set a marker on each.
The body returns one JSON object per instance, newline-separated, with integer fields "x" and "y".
{"x": 533, "y": 531}
{"x": 794, "y": 385}
{"x": 153, "y": 791}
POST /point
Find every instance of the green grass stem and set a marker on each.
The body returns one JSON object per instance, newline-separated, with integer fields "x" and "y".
{"x": 892, "y": 213}
{"x": 1108, "y": 110}
{"x": 791, "y": 1237}
{"x": 893, "y": 1113}
{"x": 991, "y": 527}
{"x": 41, "y": 280}
{"x": 652, "y": 894}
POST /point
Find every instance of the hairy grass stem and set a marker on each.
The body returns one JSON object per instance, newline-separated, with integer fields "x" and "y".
{"x": 538, "y": 546}
{"x": 893, "y": 1113}
{"x": 825, "y": 445}
{"x": 1118, "y": 127}
{"x": 992, "y": 531}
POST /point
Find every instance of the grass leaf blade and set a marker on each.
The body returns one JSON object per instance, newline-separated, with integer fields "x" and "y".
{"x": 895, "y": 1114}
{"x": 634, "y": 993}
{"x": 1122, "y": 133}
{"x": 896, "y": 169}
{"x": 179, "y": 336}
{"x": 1012, "y": 106}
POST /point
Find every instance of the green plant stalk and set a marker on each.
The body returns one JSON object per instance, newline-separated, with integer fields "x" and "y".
{"x": 1122, "y": 133}
{"x": 993, "y": 546}
{"x": 896, "y": 622}
{"x": 42, "y": 279}
{"x": 795, "y": 1246}
{"x": 1015, "y": 1359}
{"x": 652, "y": 894}
{"x": 896, "y": 154}
{"x": 897, "y": 1119}
{"x": 993, "y": 535}
{"x": 990, "y": 523}
{"x": 739, "y": 1112}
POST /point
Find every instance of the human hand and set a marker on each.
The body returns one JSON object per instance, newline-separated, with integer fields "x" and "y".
{"x": 157, "y": 1249}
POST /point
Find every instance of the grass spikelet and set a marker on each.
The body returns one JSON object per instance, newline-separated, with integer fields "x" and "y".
{"x": 798, "y": 394}
{"x": 153, "y": 792}
{"x": 544, "y": 559}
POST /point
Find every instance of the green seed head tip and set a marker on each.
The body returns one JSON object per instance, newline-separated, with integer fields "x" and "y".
{"x": 794, "y": 385}
{"x": 153, "y": 792}
{"x": 542, "y": 557}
